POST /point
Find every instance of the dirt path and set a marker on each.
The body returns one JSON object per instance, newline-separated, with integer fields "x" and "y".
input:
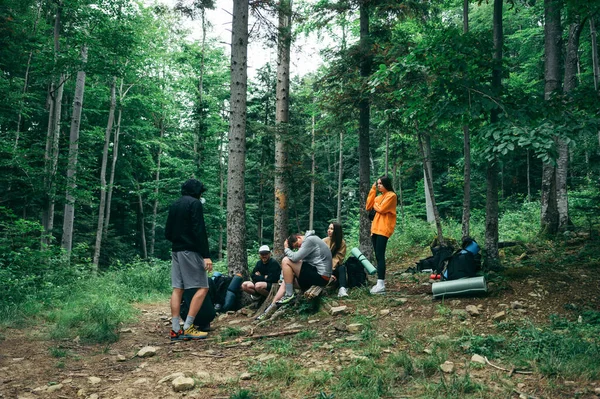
{"x": 33, "y": 368}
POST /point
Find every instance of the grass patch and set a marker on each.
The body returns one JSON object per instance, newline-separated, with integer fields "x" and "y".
{"x": 281, "y": 370}
{"x": 454, "y": 386}
{"x": 230, "y": 332}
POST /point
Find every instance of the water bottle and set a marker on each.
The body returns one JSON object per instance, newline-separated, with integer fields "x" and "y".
{"x": 232, "y": 291}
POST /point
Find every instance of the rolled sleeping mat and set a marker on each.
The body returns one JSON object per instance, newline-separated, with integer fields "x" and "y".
{"x": 473, "y": 247}
{"x": 463, "y": 286}
{"x": 364, "y": 261}
{"x": 232, "y": 291}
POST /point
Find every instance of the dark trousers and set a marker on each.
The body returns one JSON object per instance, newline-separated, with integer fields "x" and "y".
{"x": 342, "y": 276}
{"x": 379, "y": 245}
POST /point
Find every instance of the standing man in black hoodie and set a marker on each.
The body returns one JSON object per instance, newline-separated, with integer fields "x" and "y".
{"x": 190, "y": 257}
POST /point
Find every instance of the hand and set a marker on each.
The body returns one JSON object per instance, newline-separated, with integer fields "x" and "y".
{"x": 285, "y": 244}
{"x": 208, "y": 265}
{"x": 257, "y": 273}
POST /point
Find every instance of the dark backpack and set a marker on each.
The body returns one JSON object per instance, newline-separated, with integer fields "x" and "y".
{"x": 357, "y": 277}
{"x": 462, "y": 264}
{"x": 221, "y": 284}
{"x": 436, "y": 261}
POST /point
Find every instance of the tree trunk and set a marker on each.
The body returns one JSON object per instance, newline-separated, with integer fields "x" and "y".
{"x": 281, "y": 222}
{"x": 528, "y": 179}
{"x": 221, "y": 195}
{"x": 466, "y": 216}
{"x": 236, "y": 191}
{"x": 429, "y": 185}
{"x": 313, "y": 168}
{"x": 491, "y": 207}
{"x": 142, "y": 221}
{"x": 69, "y": 214}
{"x": 595, "y": 63}
{"x": 201, "y": 125}
{"x": 102, "y": 205}
{"x": 387, "y": 150}
{"x": 156, "y": 184}
{"x": 570, "y": 81}
{"x": 340, "y": 178}
{"x": 364, "y": 109}
{"x": 427, "y": 169}
{"x": 26, "y": 83}
{"x": 552, "y": 66}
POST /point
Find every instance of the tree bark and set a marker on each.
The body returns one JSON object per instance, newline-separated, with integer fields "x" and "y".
{"x": 429, "y": 185}
{"x": 311, "y": 212}
{"x": 570, "y": 82}
{"x": 281, "y": 221}
{"x": 466, "y": 216}
{"x": 552, "y": 66}
{"x": 364, "y": 109}
{"x": 156, "y": 184}
{"x": 69, "y": 214}
{"x": 142, "y": 221}
{"x": 491, "y": 208}
{"x": 595, "y": 63}
{"x": 427, "y": 169}
{"x": 236, "y": 191}
{"x": 340, "y": 178}
{"x": 102, "y": 205}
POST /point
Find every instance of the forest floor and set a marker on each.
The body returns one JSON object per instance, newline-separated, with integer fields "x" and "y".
{"x": 234, "y": 360}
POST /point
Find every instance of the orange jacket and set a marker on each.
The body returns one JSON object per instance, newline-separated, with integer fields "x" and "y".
{"x": 385, "y": 206}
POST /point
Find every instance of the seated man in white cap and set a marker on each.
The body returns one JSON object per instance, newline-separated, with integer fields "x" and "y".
{"x": 266, "y": 272}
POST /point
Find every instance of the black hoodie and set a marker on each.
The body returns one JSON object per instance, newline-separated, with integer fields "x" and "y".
{"x": 185, "y": 224}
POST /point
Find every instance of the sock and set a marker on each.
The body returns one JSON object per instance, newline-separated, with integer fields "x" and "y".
{"x": 289, "y": 289}
{"x": 188, "y": 322}
{"x": 175, "y": 323}
{"x": 381, "y": 283}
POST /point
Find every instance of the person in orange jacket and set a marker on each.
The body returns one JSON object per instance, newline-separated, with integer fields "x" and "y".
{"x": 383, "y": 224}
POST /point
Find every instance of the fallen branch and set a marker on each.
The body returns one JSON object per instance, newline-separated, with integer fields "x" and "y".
{"x": 205, "y": 355}
{"x": 507, "y": 370}
{"x": 270, "y": 335}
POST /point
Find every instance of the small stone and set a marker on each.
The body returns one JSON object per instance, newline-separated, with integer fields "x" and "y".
{"x": 94, "y": 380}
{"x": 472, "y": 310}
{"x": 53, "y": 388}
{"x": 447, "y": 367}
{"x": 147, "y": 351}
{"x": 597, "y": 391}
{"x": 125, "y": 330}
{"x": 478, "y": 359}
{"x": 181, "y": 384}
{"x": 121, "y": 358}
{"x": 335, "y": 310}
{"x": 245, "y": 376}
{"x": 140, "y": 381}
{"x": 170, "y": 377}
{"x": 384, "y": 312}
{"x": 499, "y": 316}
{"x": 93, "y": 396}
{"x": 354, "y": 328}
{"x": 203, "y": 376}
{"x": 517, "y": 305}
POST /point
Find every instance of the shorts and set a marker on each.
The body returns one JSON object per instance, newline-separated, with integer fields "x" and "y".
{"x": 187, "y": 270}
{"x": 309, "y": 277}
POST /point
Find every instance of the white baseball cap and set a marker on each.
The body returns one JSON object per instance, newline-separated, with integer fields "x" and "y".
{"x": 264, "y": 248}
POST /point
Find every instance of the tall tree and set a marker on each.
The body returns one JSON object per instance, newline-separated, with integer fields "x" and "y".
{"x": 69, "y": 214}
{"x": 552, "y": 67}
{"x": 236, "y": 171}
{"x": 466, "y": 216}
{"x": 282, "y": 117}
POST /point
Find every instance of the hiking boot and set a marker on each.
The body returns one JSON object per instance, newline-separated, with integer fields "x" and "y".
{"x": 176, "y": 336}
{"x": 267, "y": 313}
{"x": 285, "y": 299}
{"x": 193, "y": 334}
{"x": 378, "y": 289}
{"x": 342, "y": 292}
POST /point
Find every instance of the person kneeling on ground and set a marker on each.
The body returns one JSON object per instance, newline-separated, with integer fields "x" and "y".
{"x": 265, "y": 273}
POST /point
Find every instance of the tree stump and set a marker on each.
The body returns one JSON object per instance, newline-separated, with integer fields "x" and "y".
{"x": 269, "y": 300}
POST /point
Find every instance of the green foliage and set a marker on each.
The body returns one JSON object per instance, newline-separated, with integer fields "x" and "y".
{"x": 242, "y": 394}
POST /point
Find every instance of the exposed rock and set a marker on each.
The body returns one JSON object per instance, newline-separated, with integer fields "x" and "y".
{"x": 147, "y": 351}
{"x": 517, "y": 305}
{"x": 203, "y": 376}
{"x": 384, "y": 312}
{"x": 354, "y": 328}
{"x": 245, "y": 376}
{"x": 447, "y": 367}
{"x": 353, "y": 338}
{"x": 54, "y": 388}
{"x": 94, "y": 396}
{"x": 140, "y": 381}
{"x": 499, "y": 316}
{"x": 170, "y": 377}
{"x": 338, "y": 310}
{"x": 478, "y": 359}
{"x": 121, "y": 358}
{"x": 125, "y": 330}
{"x": 293, "y": 326}
{"x": 472, "y": 310}
{"x": 180, "y": 384}
{"x": 94, "y": 380}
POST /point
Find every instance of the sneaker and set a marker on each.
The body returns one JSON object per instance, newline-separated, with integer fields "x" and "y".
{"x": 176, "y": 336}
{"x": 342, "y": 292}
{"x": 378, "y": 289}
{"x": 267, "y": 313}
{"x": 193, "y": 334}
{"x": 286, "y": 299}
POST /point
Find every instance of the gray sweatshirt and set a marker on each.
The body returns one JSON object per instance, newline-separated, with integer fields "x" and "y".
{"x": 314, "y": 251}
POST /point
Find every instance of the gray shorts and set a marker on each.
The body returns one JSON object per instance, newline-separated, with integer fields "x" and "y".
{"x": 187, "y": 270}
